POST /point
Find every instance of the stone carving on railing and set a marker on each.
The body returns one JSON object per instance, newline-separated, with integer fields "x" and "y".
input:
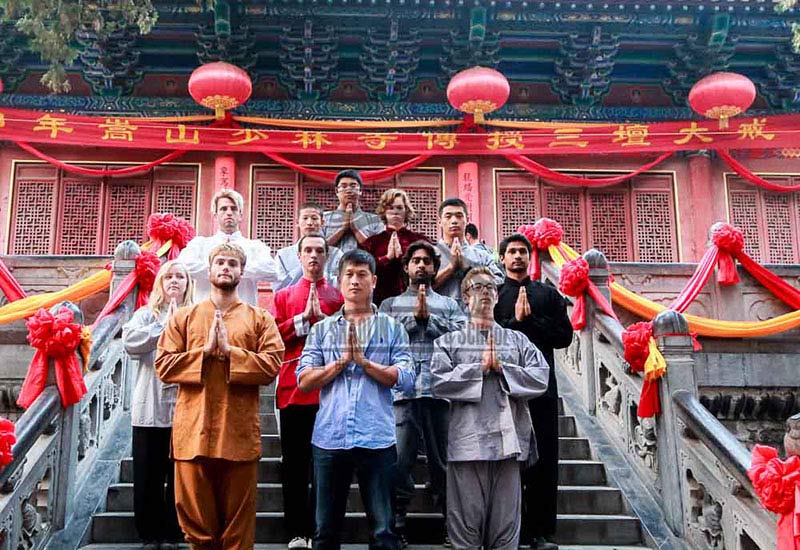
{"x": 56, "y": 448}
{"x": 705, "y": 494}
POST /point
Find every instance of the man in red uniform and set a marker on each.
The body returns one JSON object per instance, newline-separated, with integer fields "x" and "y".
{"x": 297, "y": 308}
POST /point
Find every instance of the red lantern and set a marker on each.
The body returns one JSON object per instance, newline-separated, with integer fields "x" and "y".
{"x": 478, "y": 91}
{"x": 220, "y": 86}
{"x": 722, "y": 96}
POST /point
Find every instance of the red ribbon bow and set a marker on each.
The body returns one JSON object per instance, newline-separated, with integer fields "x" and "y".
{"x": 636, "y": 341}
{"x": 574, "y": 281}
{"x": 542, "y": 234}
{"x": 730, "y": 242}
{"x": 7, "y": 440}
{"x": 776, "y": 483}
{"x": 165, "y": 227}
{"x": 54, "y": 337}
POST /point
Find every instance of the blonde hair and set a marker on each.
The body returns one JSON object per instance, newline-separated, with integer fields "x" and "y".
{"x": 474, "y": 272}
{"x": 227, "y": 194}
{"x": 387, "y": 199}
{"x": 233, "y": 248}
{"x": 157, "y": 297}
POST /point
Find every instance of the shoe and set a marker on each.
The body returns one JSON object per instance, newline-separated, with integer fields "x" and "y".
{"x": 541, "y": 543}
{"x": 299, "y": 543}
{"x": 168, "y": 546}
{"x": 447, "y": 542}
{"x": 403, "y": 541}
{"x": 150, "y": 545}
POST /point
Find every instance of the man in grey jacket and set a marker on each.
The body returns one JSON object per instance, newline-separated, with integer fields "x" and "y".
{"x": 426, "y": 315}
{"x": 488, "y": 373}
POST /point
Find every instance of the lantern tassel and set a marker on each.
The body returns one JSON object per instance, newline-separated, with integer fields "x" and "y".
{"x": 723, "y": 122}
{"x": 478, "y": 116}
{"x": 219, "y": 112}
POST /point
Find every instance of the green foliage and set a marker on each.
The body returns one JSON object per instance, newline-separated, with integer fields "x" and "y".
{"x": 51, "y": 26}
{"x": 782, "y": 6}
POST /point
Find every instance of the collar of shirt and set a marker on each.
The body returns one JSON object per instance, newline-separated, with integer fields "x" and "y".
{"x": 235, "y": 236}
{"x": 364, "y": 330}
{"x": 305, "y": 283}
{"x": 513, "y": 282}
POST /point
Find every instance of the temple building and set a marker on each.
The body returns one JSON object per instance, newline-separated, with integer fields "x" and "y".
{"x": 597, "y": 134}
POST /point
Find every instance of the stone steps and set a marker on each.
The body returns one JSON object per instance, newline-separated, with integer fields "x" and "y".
{"x": 112, "y": 527}
{"x": 571, "y": 472}
{"x": 590, "y": 500}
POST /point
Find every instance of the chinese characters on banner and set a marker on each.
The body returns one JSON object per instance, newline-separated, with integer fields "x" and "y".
{"x": 57, "y": 128}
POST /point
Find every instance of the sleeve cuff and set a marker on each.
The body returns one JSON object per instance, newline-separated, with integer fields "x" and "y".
{"x": 301, "y": 326}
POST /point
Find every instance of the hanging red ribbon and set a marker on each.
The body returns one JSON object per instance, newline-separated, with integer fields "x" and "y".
{"x": 751, "y": 177}
{"x": 730, "y": 242}
{"x": 559, "y": 178}
{"x": 169, "y": 227}
{"x": 776, "y": 483}
{"x": 9, "y": 285}
{"x": 144, "y": 274}
{"x": 636, "y": 343}
{"x": 71, "y": 168}
{"x": 574, "y": 281}
{"x": 366, "y": 175}
{"x": 54, "y": 337}
{"x": 7, "y": 440}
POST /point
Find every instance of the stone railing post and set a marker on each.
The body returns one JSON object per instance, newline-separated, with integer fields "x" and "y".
{"x": 67, "y": 432}
{"x": 671, "y": 331}
{"x": 124, "y": 263}
{"x": 598, "y": 274}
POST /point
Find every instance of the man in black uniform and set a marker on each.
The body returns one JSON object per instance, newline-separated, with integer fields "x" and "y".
{"x": 540, "y": 312}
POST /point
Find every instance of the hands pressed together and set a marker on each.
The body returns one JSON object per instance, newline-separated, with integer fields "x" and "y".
{"x": 217, "y": 341}
{"x": 522, "y": 308}
{"x": 489, "y": 360}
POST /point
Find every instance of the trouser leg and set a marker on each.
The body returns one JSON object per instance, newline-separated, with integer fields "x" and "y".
{"x": 148, "y": 481}
{"x": 375, "y": 470}
{"x": 196, "y": 502}
{"x": 333, "y": 472}
{"x": 407, "y": 447}
{"x": 540, "y": 482}
{"x": 297, "y": 426}
{"x": 236, "y": 498}
{"x": 505, "y": 506}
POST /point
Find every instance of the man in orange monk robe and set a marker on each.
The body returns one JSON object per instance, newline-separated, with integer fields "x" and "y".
{"x": 219, "y": 351}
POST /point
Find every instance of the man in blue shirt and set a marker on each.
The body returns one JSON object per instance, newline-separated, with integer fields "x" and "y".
{"x": 355, "y": 358}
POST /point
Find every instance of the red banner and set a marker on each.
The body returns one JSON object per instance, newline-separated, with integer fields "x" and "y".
{"x": 118, "y": 131}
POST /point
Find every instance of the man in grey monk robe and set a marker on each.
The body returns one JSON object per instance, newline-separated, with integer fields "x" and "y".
{"x": 488, "y": 373}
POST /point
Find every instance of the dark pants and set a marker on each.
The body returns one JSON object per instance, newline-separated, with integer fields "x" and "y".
{"x": 540, "y": 482}
{"x": 297, "y": 425}
{"x": 154, "y": 485}
{"x": 375, "y": 472}
{"x": 425, "y": 418}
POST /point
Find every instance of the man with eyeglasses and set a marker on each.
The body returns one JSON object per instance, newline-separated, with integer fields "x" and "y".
{"x": 488, "y": 373}
{"x": 348, "y": 226}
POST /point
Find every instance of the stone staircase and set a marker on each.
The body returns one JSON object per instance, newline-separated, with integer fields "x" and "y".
{"x": 591, "y": 514}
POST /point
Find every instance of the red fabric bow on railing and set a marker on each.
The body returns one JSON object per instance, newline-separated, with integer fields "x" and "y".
{"x": 574, "y": 281}
{"x": 9, "y": 285}
{"x": 7, "y": 440}
{"x": 542, "y": 234}
{"x": 54, "y": 337}
{"x": 776, "y": 483}
{"x": 162, "y": 228}
{"x": 144, "y": 275}
{"x": 636, "y": 341}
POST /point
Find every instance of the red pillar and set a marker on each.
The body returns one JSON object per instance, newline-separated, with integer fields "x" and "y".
{"x": 468, "y": 189}
{"x": 224, "y": 173}
{"x": 701, "y": 209}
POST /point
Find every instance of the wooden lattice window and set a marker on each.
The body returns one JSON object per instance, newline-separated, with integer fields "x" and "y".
{"x": 277, "y": 192}
{"x": 770, "y": 221}
{"x": 55, "y": 212}
{"x": 634, "y": 221}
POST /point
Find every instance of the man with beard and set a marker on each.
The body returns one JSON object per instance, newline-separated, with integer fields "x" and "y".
{"x": 348, "y": 226}
{"x": 218, "y": 351}
{"x": 297, "y": 309}
{"x": 355, "y": 357}
{"x": 540, "y": 313}
{"x": 227, "y": 207}
{"x": 458, "y": 257}
{"x": 309, "y": 220}
{"x": 488, "y": 373}
{"x": 426, "y": 315}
